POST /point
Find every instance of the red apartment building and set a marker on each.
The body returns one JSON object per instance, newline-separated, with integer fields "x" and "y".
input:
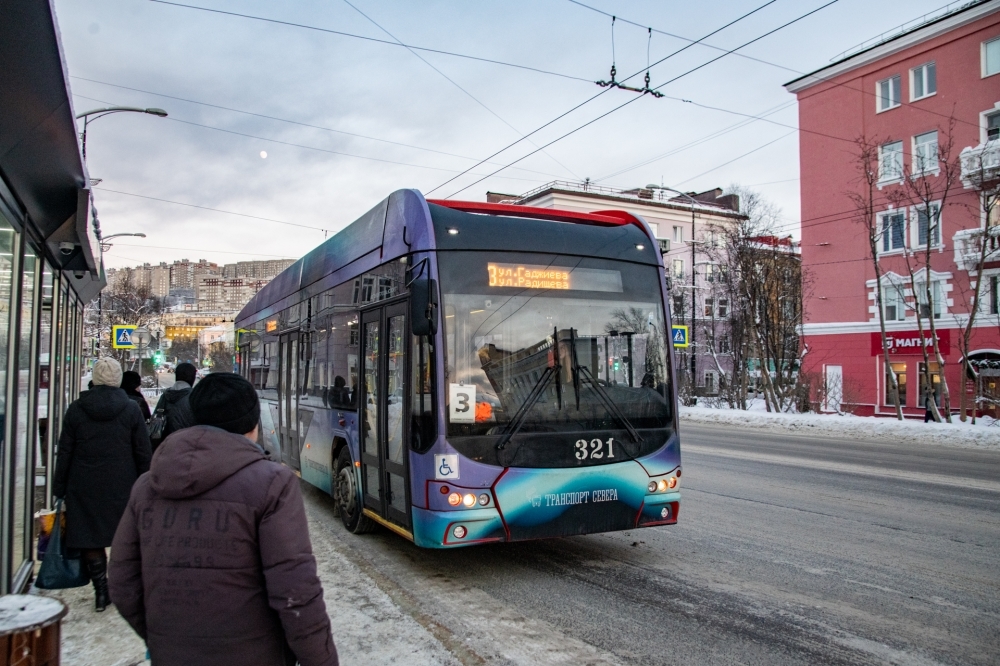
{"x": 901, "y": 92}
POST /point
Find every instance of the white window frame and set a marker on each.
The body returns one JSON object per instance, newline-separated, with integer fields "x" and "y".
{"x": 894, "y": 95}
{"x": 722, "y": 307}
{"x": 917, "y": 166}
{"x": 984, "y": 49}
{"x": 882, "y": 231}
{"x": 937, "y": 296}
{"x": 894, "y": 296}
{"x": 986, "y": 115}
{"x": 915, "y": 227}
{"x": 677, "y": 268}
{"x": 921, "y": 72}
{"x": 709, "y": 309}
{"x": 897, "y": 176}
{"x": 678, "y": 234}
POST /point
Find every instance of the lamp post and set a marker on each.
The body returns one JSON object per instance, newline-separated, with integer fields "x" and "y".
{"x": 105, "y": 246}
{"x": 692, "y": 243}
{"x": 90, "y": 116}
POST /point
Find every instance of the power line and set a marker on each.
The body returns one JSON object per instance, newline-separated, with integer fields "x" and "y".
{"x": 214, "y": 210}
{"x": 590, "y": 99}
{"x": 454, "y": 83}
{"x": 283, "y": 120}
{"x": 201, "y": 249}
{"x": 377, "y": 40}
{"x": 679, "y": 76}
{"x": 783, "y": 136}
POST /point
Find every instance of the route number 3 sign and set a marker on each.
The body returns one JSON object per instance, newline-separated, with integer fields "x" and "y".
{"x": 462, "y": 403}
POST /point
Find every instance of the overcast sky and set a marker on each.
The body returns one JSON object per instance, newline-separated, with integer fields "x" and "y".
{"x": 352, "y": 120}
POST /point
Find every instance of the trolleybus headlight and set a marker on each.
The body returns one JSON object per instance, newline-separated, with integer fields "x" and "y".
{"x": 469, "y": 500}
{"x": 484, "y": 499}
{"x": 664, "y": 513}
{"x": 454, "y": 499}
{"x": 651, "y": 487}
{"x": 460, "y": 531}
{"x": 671, "y": 482}
{"x": 661, "y": 485}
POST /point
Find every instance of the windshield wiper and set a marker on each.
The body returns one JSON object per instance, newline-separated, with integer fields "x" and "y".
{"x": 536, "y": 392}
{"x": 602, "y": 395}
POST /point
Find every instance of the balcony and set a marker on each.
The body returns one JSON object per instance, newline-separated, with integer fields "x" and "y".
{"x": 981, "y": 165}
{"x": 968, "y": 245}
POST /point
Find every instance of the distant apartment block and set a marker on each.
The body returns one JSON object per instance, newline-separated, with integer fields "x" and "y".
{"x": 221, "y": 294}
{"x": 261, "y": 270}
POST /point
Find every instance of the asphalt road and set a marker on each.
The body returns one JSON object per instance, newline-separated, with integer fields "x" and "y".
{"x": 790, "y": 550}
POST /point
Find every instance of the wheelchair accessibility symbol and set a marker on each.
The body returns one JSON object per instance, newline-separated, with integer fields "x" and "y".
{"x": 445, "y": 466}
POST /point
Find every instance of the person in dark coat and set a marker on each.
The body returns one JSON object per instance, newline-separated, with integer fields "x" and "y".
{"x": 103, "y": 448}
{"x": 174, "y": 401}
{"x": 212, "y": 563}
{"x": 131, "y": 381}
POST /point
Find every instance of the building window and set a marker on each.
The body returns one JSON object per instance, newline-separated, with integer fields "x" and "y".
{"x": 723, "y": 307}
{"x": 678, "y": 234}
{"x": 678, "y": 268}
{"x": 889, "y": 93}
{"x": 678, "y": 309}
{"x": 890, "y": 162}
{"x": 664, "y": 244}
{"x": 928, "y": 227}
{"x": 923, "y": 81}
{"x": 893, "y": 304}
{"x": 709, "y": 307}
{"x": 935, "y": 295}
{"x": 993, "y": 127}
{"x": 900, "y": 370}
{"x": 994, "y": 295}
{"x": 893, "y": 231}
{"x": 710, "y": 382}
{"x": 991, "y": 57}
{"x": 925, "y": 153}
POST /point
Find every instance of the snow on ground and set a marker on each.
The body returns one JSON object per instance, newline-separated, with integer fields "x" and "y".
{"x": 984, "y": 435}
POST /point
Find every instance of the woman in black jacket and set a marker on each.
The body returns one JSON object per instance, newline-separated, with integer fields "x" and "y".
{"x": 103, "y": 448}
{"x": 131, "y": 381}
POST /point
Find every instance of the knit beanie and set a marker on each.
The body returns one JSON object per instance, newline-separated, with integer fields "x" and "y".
{"x": 107, "y": 372}
{"x": 225, "y": 400}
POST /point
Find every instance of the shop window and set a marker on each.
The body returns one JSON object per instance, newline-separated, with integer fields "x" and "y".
{"x": 893, "y": 231}
{"x": 900, "y": 370}
{"x": 923, "y": 81}
{"x": 890, "y": 162}
{"x": 889, "y": 92}
{"x": 935, "y": 379}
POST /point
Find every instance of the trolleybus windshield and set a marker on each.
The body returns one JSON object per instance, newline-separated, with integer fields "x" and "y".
{"x": 542, "y": 346}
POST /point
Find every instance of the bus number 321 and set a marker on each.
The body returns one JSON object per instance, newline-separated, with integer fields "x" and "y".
{"x": 595, "y": 449}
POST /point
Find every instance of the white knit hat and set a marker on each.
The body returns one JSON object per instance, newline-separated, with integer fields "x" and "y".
{"x": 107, "y": 372}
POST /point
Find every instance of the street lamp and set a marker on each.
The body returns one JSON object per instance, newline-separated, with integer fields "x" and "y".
{"x": 90, "y": 116}
{"x": 693, "y": 242}
{"x": 105, "y": 245}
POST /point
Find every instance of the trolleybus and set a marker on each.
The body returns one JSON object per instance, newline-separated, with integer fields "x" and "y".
{"x": 463, "y": 373}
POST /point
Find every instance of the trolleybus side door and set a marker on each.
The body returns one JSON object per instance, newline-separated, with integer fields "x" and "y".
{"x": 288, "y": 399}
{"x": 384, "y": 335}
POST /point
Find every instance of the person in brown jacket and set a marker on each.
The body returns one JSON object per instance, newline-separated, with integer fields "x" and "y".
{"x": 211, "y": 563}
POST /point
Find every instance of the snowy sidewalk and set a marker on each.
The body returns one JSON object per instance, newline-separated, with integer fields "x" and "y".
{"x": 984, "y": 435}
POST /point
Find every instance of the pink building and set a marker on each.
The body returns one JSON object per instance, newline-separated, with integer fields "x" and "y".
{"x": 901, "y": 94}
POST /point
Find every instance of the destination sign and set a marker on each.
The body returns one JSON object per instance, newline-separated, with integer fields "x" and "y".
{"x": 532, "y": 276}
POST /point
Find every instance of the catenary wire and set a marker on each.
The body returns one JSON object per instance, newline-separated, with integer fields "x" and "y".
{"x": 201, "y": 249}
{"x": 694, "y": 69}
{"x": 592, "y": 98}
{"x": 373, "y": 39}
{"x": 728, "y": 162}
{"x": 455, "y": 83}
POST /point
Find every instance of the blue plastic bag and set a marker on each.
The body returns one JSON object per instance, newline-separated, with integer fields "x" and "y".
{"x": 60, "y": 568}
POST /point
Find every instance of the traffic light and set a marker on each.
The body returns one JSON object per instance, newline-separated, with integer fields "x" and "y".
{"x": 158, "y": 357}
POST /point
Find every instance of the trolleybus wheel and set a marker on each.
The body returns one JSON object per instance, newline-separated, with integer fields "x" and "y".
{"x": 349, "y": 496}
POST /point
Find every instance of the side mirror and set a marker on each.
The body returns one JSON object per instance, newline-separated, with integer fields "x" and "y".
{"x": 423, "y": 307}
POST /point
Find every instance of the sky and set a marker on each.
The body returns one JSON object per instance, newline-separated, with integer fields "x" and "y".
{"x": 345, "y": 121}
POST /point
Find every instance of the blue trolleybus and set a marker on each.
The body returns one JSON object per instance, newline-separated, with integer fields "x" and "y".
{"x": 463, "y": 373}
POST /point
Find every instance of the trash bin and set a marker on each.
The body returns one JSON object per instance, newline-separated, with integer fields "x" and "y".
{"x": 29, "y": 630}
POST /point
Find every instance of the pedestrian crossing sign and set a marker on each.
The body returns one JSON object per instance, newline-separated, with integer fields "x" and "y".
{"x": 122, "y": 337}
{"x": 680, "y": 336}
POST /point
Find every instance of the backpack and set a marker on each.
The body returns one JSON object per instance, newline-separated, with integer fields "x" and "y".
{"x": 156, "y": 426}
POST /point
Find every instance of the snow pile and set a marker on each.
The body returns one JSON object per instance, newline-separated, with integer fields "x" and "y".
{"x": 984, "y": 435}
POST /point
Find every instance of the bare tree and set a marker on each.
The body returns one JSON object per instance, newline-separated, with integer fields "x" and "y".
{"x": 924, "y": 188}
{"x": 125, "y": 301}
{"x": 865, "y": 201}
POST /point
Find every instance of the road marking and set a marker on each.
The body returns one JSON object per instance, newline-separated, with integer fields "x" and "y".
{"x": 846, "y": 468}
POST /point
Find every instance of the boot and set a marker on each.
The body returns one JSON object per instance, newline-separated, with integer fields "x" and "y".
{"x": 97, "y": 567}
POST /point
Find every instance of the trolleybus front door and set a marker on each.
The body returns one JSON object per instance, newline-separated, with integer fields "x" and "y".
{"x": 384, "y": 332}
{"x": 288, "y": 399}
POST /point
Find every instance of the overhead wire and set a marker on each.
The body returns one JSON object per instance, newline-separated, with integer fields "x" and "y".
{"x": 453, "y": 82}
{"x": 372, "y": 39}
{"x": 679, "y": 76}
{"x": 592, "y": 98}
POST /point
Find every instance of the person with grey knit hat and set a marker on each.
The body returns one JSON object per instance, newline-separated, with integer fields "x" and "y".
{"x": 103, "y": 448}
{"x": 212, "y": 562}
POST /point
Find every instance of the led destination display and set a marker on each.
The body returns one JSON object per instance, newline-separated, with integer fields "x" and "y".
{"x": 531, "y": 276}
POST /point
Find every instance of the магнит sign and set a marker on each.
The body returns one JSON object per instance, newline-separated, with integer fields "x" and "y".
{"x": 907, "y": 343}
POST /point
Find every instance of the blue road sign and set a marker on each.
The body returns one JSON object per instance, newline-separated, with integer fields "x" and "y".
{"x": 680, "y": 336}
{"x": 122, "y": 337}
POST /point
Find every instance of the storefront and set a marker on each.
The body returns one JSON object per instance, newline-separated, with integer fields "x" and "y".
{"x": 50, "y": 265}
